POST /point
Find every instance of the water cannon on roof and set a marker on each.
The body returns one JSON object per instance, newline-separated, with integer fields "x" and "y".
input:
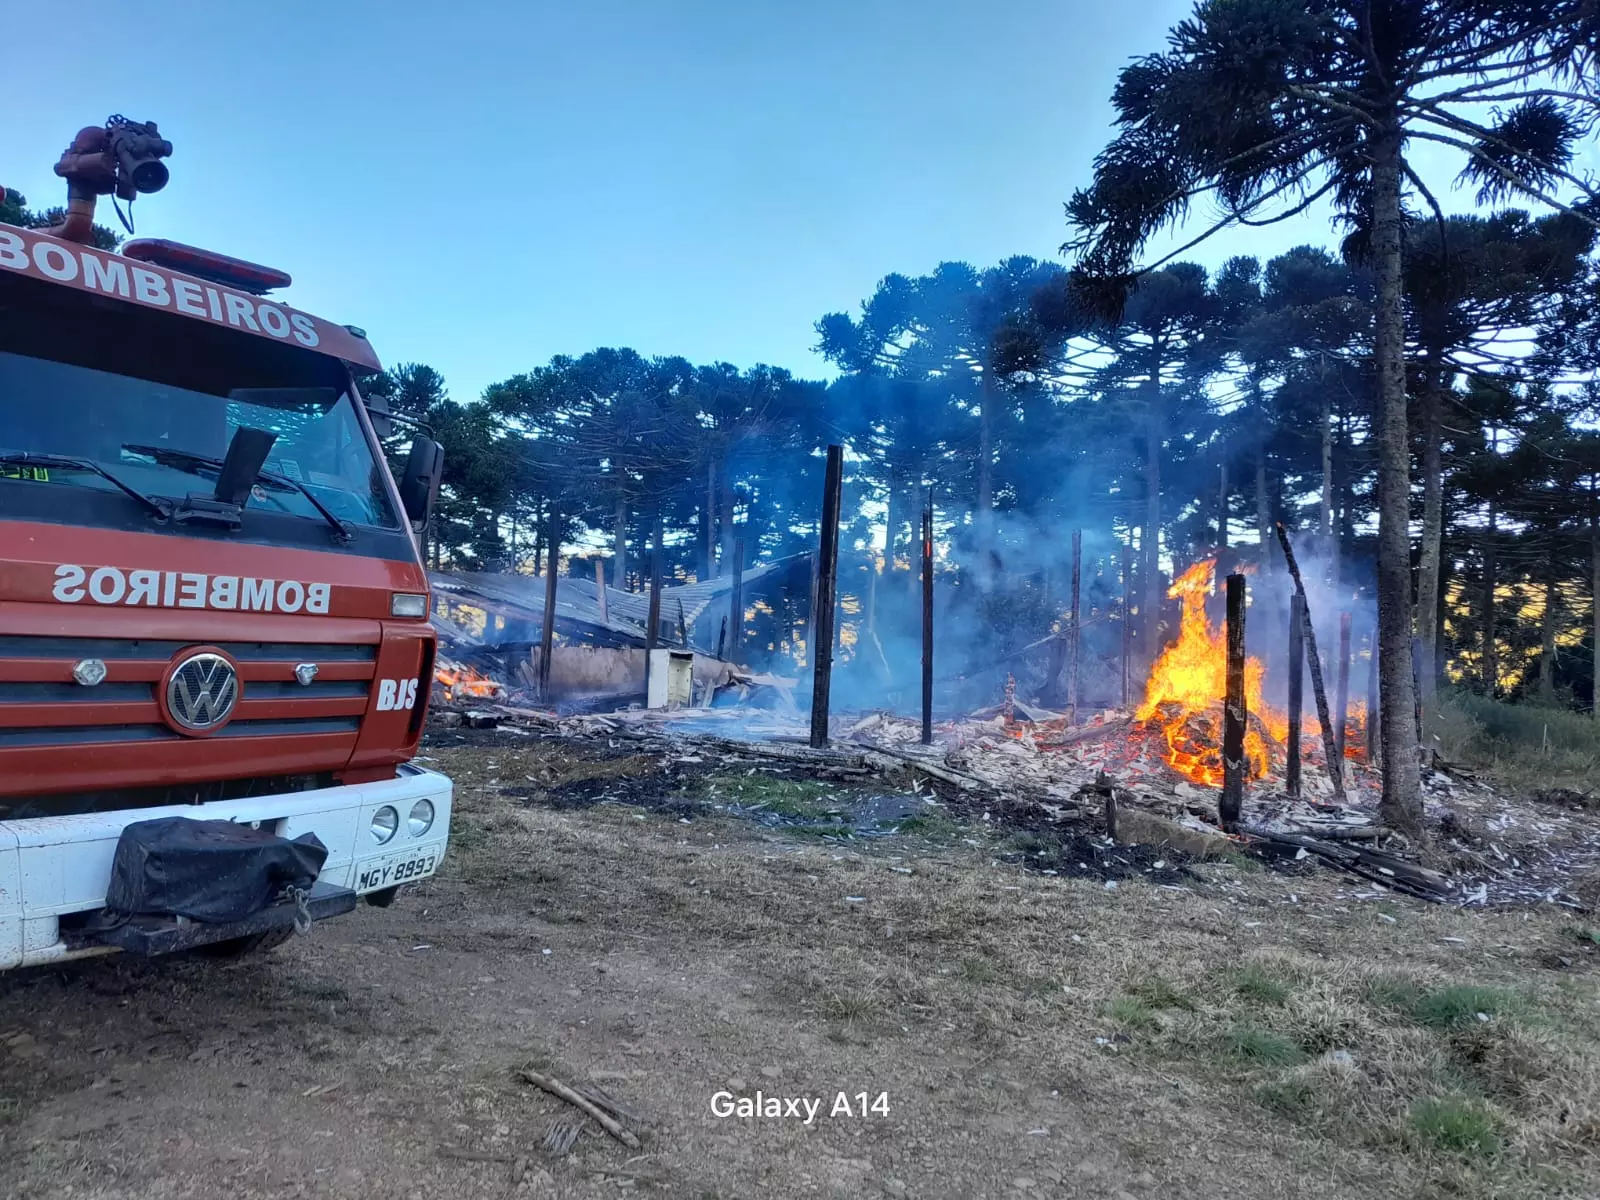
{"x": 121, "y": 158}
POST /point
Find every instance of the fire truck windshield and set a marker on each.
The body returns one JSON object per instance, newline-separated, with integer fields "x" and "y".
{"x": 157, "y": 438}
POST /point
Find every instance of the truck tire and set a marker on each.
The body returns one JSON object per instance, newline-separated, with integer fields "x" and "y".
{"x": 383, "y": 897}
{"x": 239, "y": 947}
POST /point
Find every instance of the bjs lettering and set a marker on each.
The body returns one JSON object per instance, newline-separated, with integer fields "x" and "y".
{"x": 396, "y": 694}
{"x": 187, "y": 589}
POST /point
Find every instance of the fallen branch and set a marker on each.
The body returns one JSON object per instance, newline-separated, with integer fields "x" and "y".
{"x": 481, "y": 1156}
{"x": 562, "y": 1092}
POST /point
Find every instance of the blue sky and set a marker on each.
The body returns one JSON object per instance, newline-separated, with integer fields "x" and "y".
{"x": 483, "y": 184}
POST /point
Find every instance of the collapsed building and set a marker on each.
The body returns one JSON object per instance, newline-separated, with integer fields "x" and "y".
{"x": 490, "y": 629}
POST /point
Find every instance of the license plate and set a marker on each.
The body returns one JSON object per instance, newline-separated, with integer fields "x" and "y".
{"x": 391, "y": 871}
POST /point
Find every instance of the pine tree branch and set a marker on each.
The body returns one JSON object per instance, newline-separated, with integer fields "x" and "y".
{"x": 1449, "y": 120}
{"x": 1511, "y": 177}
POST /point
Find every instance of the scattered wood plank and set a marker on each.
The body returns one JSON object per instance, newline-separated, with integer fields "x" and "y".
{"x": 955, "y": 779}
{"x": 1366, "y": 862}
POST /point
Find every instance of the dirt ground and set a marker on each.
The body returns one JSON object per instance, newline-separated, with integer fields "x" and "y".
{"x": 1236, "y": 1033}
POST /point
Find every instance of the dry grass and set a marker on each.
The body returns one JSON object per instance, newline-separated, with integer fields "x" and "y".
{"x": 1465, "y": 1066}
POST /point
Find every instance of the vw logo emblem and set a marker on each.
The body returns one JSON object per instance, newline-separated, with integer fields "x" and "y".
{"x": 202, "y": 692}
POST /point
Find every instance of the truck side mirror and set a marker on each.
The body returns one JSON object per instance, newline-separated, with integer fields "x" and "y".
{"x": 419, "y": 485}
{"x": 378, "y": 412}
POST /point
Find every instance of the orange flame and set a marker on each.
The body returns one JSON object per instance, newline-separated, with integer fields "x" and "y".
{"x": 462, "y": 682}
{"x": 1190, "y": 680}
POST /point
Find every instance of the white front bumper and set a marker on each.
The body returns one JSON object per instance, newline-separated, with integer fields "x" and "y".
{"x": 51, "y": 866}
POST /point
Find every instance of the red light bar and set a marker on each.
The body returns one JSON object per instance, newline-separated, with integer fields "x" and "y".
{"x": 207, "y": 264}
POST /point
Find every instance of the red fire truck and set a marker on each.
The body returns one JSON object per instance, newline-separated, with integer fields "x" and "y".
{"x": 211, "y": 601}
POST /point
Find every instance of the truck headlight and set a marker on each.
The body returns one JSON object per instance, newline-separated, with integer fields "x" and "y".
{"x": 384, "y": 822}
{"x": 421, "y": 819}
{"x": 407, "y": 604}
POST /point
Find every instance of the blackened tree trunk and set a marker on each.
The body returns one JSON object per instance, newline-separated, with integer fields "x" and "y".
{"x": 1489, "y": 677}
{"x": 1428, "y": 576}
{"x": 1401, "y": 803}
{"x": 1263, "y": 506}
{"x": 725, "y": 520}
{"x": 1222, "y": 508}
{"x": 1547, "y": 641}
{"x": 1150, "y": 536}
{"x": 891, "y": 520}
{"x": 1325, "y": 511}
{"x": 619, "y": 545}
{"x": 1595, "y": 550}
{"x": 987, "y": 399}
{"x": 708, "y": 531}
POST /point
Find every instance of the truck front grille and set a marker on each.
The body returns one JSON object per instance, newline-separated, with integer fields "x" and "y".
{"x": 87, "y": 735}
{"x": 40, "y": 706}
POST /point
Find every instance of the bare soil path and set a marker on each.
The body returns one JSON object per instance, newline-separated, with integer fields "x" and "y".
{"x": 1240, "y": 1034}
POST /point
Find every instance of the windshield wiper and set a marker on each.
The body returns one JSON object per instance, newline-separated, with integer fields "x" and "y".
{"x": 67, "y": 462}
{"x": 184, "y": 458}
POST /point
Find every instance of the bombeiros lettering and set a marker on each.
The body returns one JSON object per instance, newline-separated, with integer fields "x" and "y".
{"x": 97, "y": 271}
{"x": 140, "y": 588}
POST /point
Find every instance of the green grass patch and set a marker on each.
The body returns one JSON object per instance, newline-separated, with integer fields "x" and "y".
{"x": 1027, "y": 843}
{"x": 1392, "y": 991}
{"x": 1257, "y": 984}
{"x": 1132, "y": 1013}
{"x": 1158, "y": 993}
{"x": 1294, "y": 1097}
{"x": 1237, "y": 858}
{"x": 1442, "y": 1008}
{"x": 1526, "y": 746}
{"x": 1261, "y": 1047}
{"x": 1456, "y": 1124}
{"x": 930, "y": 825}
{"x": 979, "y": 970}
{"x": 819, "y": 831}
{"x": 1448, "y": 1007}
{"x": 806, "y": 799}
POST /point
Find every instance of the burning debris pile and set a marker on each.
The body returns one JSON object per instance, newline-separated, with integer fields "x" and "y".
{"x": 1183, "y": 704}
{"x": 1149, "y": 776}
{"x": 457, "y": 683}
{"x": 1062, "y": 784}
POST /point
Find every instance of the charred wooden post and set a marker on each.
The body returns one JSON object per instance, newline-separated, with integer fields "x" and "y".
{"x": 1341, "y": 685}
{"x": 827, "y": 576}
{"x": 600, "y": 590}
{"x": 736, "y": 602}
{"x": 1314, "y": 660}
{"x": 1127, "y": 623}
{"x": 547, "y": 630}
{"x": 1072, "y": 634}
{"x": 1372, "y": 698}
{"x": 1235, "y": 714}
{"x": 927, "y": 624}
{"x": 1297, "y": 696}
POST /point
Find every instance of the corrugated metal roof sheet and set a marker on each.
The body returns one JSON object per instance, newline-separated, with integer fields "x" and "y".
{"x": 578, "y": 605}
